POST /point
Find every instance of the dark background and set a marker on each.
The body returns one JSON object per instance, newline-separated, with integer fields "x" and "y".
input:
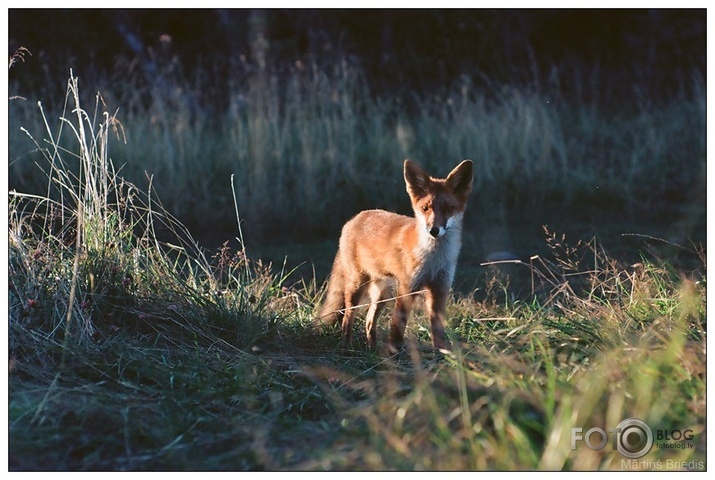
{"x": 400, "y": 51}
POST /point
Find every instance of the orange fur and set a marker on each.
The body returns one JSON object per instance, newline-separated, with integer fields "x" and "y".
{"x": 379, "y": 249}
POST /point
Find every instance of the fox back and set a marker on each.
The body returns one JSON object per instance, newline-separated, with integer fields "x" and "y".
{"x": 379, "y": 249}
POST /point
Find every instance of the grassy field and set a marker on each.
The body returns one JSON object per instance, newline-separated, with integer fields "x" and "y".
{"x": 132, "y": 348}
{"x": 310, "y": 145}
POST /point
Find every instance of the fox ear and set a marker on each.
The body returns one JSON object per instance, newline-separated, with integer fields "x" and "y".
{"x": 417, "y": 180}
{"x": 460, "y": 180}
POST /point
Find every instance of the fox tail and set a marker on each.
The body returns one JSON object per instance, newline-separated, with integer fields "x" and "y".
{"x": 334, "y": 303}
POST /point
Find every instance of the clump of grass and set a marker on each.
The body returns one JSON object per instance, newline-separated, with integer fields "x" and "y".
{"x": 118, "y": 319}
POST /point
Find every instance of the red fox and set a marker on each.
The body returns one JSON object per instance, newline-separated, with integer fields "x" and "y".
{"x": 379, "y": 249}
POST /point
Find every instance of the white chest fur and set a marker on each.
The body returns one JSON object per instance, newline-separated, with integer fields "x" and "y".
{"x": 437, "y": 257}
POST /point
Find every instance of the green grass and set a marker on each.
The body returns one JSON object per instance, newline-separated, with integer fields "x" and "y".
{"x": 131, "y": 348}
{"x": 313, "y": 138}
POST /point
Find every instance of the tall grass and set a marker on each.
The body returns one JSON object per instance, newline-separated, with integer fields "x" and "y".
{"x": 94, "y": 293}
{"x": 309, "y": 146}
{"x": 133, "y": 352}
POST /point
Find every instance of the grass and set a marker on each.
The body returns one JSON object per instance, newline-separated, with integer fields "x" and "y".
{"x": 311, "y": 137}
{"x": 134, "y": 350}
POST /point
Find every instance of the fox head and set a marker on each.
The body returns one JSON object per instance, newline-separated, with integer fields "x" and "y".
{"x": 439, "y": 203}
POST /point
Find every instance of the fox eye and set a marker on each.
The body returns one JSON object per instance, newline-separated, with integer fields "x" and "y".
{"x": 425, "y": 208}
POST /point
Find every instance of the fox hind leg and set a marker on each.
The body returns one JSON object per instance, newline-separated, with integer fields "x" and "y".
{"x": 379, "y": 292}
{"x": 353, "y": 294}
{"x": 403, "y": 306}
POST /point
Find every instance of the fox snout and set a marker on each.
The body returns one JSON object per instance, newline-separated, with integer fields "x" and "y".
{"x": 442, "y": 219}
{"x": 438, "y": 229}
